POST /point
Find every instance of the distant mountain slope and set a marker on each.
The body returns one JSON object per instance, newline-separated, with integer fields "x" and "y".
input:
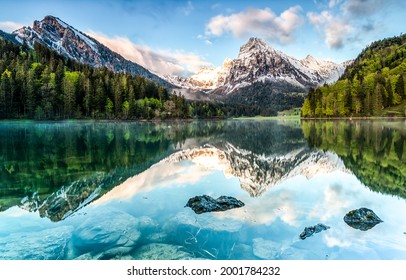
{"x": 373, "y": 82}
{"x": 71, "y": 43}
{"x": 8, "y": 36}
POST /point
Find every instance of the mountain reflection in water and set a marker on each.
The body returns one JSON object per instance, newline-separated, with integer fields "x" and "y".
{"x": 91, "y": 180}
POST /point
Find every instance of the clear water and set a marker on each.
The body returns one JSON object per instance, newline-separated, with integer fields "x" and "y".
{"x": 97, "y": 190}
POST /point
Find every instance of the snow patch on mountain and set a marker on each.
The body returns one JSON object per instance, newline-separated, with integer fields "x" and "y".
{"x": 205, "y": 79}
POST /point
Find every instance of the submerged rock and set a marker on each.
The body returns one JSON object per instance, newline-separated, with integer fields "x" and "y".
{"x": 159, "y": 251}
{"x": 48, "y": 244}
{"x": 204, "y": 203}
{"x": 210, "y": 222}
{"x": 114, "y": 230}
{"x": 104, "y": 256}
{"x": 266, "y": 249}
{"x": 309, "y": 231}
{"x": 242, "y": 252}
{"x": 362, "y": 219}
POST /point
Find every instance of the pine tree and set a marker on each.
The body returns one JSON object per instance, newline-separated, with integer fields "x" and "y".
{"x": 348, "y": 100}
{"x": 118, "y": 89}
{"x": 68, "y": 98}
{"x": 59, "y": 75}
{"x": 400, "y": 87}
{"x": 131, "y": 100}
{"x": 109, "y": 107}
{"x": 312, "y": 101}
{"x": 87, "y": 100}
{"x": 389, "y": 91}
{"x": 377, "y": 100}
{"x": 30, "y": 101}
{"x": 4, "y": 88}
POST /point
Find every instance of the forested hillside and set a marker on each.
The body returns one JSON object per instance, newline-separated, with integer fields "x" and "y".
{"x": 374, "y": 82}
{"x": 266, "y": 99}
{"x": 41, "y": 84}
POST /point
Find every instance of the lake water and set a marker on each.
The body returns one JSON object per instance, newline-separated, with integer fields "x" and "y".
{"x": 98, "y": 190}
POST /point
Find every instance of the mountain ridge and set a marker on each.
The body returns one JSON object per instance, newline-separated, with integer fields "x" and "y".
{"x": 74, "y": 44}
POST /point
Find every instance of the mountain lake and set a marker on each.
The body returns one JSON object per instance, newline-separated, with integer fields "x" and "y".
{"x": 118, "y": 190}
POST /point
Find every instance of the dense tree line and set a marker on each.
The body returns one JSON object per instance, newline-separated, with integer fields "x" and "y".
{"x": 41, "y": 84}
{"x": 375, "y": 81}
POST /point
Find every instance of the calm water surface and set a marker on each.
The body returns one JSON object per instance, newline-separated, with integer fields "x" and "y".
{"x": 97, "y": 190}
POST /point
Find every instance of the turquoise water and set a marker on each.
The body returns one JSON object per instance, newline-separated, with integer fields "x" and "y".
{"x": 98, "y": 190}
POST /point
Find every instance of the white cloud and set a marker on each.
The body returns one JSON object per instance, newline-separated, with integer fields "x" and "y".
{"x": 10, "y": 26}
{"x": 335, "y": 242}
{"x": 263, "y": 22}
{"x": 363, "y": 7}
{"x": 346, "y": 18}
{"x": 208, "y": 42}
{"x": 333, "y": 3}
{"x": 163, "y": 62}
{"x": 216, "y": 6}
{"x": 335, "y": 30}
{"x": 188, "y": 9}
{"x": 160, "y": 175}
{"x": 204, "y": 39}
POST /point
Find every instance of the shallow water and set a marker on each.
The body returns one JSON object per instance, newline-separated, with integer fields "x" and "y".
{"x": 97, "y": 190}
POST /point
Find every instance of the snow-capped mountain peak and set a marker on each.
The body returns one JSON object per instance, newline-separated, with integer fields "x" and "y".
{"x": 258, "y": 61}
{"x": 254, "y": 45}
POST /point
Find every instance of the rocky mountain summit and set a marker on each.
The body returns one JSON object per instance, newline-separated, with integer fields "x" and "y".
{"x": 259, "y": 62}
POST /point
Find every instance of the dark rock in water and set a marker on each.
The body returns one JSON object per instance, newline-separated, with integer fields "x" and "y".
{"x": 309, "y": 231}
{"x": 362, "y": 219}
{"x": 204, "y": 203}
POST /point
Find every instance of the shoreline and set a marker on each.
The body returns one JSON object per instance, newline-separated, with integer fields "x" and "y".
{"x": 257, "y": 118}
{"x": 354, "y": 118}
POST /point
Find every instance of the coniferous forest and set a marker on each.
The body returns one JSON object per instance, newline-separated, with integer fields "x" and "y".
{"x": 40, "y": 84}
{"x": 370, "y": 86}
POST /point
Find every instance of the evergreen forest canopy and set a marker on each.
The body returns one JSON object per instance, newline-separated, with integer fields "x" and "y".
{"x": 40, "y": 84}
{"x": 374, "y": 83}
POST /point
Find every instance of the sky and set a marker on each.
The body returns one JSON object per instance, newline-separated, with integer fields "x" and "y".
{"x": 179, "y": 37}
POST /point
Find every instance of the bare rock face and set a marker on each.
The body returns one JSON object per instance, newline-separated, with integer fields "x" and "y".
{"x": 362, "y": 219}
{"x": 205, "y": 203}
